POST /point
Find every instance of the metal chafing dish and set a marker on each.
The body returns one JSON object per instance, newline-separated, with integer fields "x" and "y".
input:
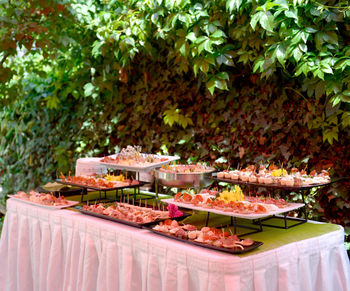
{"x": 185, "y": 180}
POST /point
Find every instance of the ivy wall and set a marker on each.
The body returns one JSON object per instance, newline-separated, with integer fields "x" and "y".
{"x": 226, "y": 82}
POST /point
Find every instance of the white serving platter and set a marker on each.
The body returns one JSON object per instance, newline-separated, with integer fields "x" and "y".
{"x": 70, "y": 203}
{"x": 140, "y": 168}
{"x": 290, "y": 207}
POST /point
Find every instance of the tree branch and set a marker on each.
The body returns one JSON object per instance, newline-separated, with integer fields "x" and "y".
{"x": 4, "y": 59}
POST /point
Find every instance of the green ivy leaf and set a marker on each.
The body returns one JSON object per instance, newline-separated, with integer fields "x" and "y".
{"x": 221, "y": 84}
{"x": 211, "y": 85}
{"x": 232, "y": 5}
{"x": 223, "y": 75}
{"x": 345, "y": 96}
{"x": 297, "y": 54}
{"x": 346, "y": 119}
{"x": 280, "y": 54}
{"x": 330, "y": 135}
{"x": 96, "y": 48}
{"x": 88, "y": 89}
{"x": 184, "y": 49}
{"x": 303, "y": 68}
{"x": 204, "y": 66}
{"x": 255, "y": 19}
{"x": 333, "y": 119}
{"x": 218, "y": 34}
{"x": 282, "y": 3}
{"x": 291, "y": 13}
{"x": 310, "y": 30}
{"x": 267, "y": 21}
{"x": 52, "y": 101}
{"x": 173, "y": 115}
{"x": 191, "y": 36}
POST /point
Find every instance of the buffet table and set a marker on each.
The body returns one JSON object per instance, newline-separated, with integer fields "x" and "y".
{"x": 44, "y": 249}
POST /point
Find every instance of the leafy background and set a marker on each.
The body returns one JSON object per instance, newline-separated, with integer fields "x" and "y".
{"x": 226, "y": 82}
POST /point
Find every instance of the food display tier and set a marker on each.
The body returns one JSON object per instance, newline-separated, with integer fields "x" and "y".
{"x": 255, "y": 245}
{"x": 146, "y": 168}
{"x": 69, "y": 204}
{"x": 101, "y": 189}
{"x": 277, "y": 186}
{"x": 184, "y": 180}
{"x": 134, "y": 224}
{"x": 291, "y": 207}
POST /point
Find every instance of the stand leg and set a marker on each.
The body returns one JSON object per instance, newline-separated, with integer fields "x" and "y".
{"x": 99, "y": 196}
{"x": 303, "y": 199}
{"x": 207, "y": 220}
{"x": 234, "y": 225}
{"x": 84, "y": 191}
{"x": 156, "y": 188}
{"x": 285, "y": 220}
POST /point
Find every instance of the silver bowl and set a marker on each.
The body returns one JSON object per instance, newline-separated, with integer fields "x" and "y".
{"x": 185, "y": 180}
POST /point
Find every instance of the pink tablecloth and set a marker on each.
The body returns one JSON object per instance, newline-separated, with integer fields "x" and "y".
{"x": 42, "y": 249}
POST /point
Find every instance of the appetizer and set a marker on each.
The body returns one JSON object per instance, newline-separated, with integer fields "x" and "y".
{"x": 275, "y": 175}
{"x": 42, "y": 198}
{"x": 102, "y": 182}
{"x": 206, "y": 235}
{"x": 133, "y": 213}
{"x": 233, "y": 201}
{"x": 132, "y": 156}
{"x": 186, "y": 169}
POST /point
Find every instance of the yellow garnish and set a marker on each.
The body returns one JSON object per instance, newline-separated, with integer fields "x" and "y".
{"x": 226, "y": 196}
{"x": 111, "y": 178}
{"x": 236, "y": 195}
{"x": 279, "y": 173}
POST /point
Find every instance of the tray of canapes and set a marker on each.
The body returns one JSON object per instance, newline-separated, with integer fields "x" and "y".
{"x": 43, "y": 200}
{"x": 103, "y": 183}
{"x": 132, "y": 159}
{"x": 133, "y": 215}
{"x": 207, "y": 237}
{"x": 247, "y": 207}
{"x": 274, "y": 177}
{"x": 185, "y": 176}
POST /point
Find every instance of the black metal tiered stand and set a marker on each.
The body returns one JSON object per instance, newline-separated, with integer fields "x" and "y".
{"x": 235, "y": 224}
{"x": 136, "y": 188}
{"x": 303, "y": 190}
{"x": 197, "y": 181}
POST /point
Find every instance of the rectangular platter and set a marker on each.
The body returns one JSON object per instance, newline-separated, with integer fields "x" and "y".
{"x": 70, "y": 203}
{"x": 276, "y": 186}
{"x": 146, "y": 168}
{"x": 291, "y": 207}
{"x": 130, "y": 223}
{"x": 221, "y": 249}
{"x": 100, "y": 189}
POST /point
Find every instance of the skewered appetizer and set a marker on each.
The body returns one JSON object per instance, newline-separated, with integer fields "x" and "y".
{"x": 206, "y": 235}
{"x": 132, "y": 213}
{"x": 107, "y": 182}
{"x": 132, "y": 156}
{"x": 275, "y": 175}
{"x": 42, "y": 198}
{"x": 186, "y": 169}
